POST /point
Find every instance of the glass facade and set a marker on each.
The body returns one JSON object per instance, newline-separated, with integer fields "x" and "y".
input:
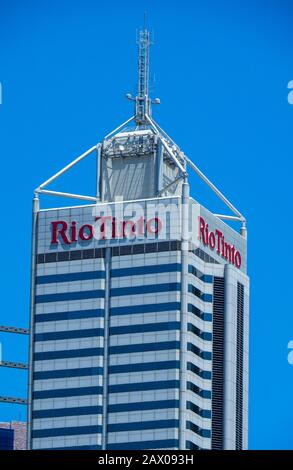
{"x": 107, "y": 370}
{"x": 6, "y": 439}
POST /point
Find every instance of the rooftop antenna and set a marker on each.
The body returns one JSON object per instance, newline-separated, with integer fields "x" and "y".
{"x": 142, "y": 100}
{"x": 143, "y": 119}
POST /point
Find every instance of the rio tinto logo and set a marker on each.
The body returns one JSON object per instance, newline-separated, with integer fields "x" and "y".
{"x": 104, "y": 228}
{"x": 216, "y": 241}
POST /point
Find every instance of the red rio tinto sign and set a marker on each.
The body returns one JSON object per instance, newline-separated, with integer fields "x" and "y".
{"x": 216, "y": 241}
{"x": 105, "y": 227}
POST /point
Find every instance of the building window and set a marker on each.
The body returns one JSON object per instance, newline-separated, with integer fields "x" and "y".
{"x": 218, "y": 364}
{"x": 239, "y": 367}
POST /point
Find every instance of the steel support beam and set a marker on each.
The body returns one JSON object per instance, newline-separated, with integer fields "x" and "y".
{"x": 215, "y": 189}
{"x": 171, "y": 184}
{"x": 15, "y": 400}
{"x": 66, "y": 168}
{"x": 14, "y": 329}
{"x": 119, "y": 127}
{"x": 14, "y": 365}
{"x": 69, "y": 195}
{"x": 166, "y": 146}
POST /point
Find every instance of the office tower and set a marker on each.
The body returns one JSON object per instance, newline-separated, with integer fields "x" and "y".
{"x": 139, "y": 302}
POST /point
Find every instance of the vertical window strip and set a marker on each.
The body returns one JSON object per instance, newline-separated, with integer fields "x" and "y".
{"x": 239, "y": 367}
{"x": 218, "y": 363}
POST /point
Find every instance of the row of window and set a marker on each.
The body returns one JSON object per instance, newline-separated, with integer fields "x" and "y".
{"x": 93, "y": 275}
{"x": 119, "y": 427}
{"x": 144, "y": 445}
{"x": 68, "y": 431}
{"x": 196, "y": 350}
{"x": 68, "y": 354}
{"x": 121, "y": 272}
{"x": 120, "y": 388}
{"x": 119, "y": 408}
{"x": 197, "y": 312}
{"x": 202, "y": 255}
{"x": 120, "y": 291}
{"x": 201, "y": 295}
{"x": 98, "y": 390}
{"x": 204, "y": 374}
{"x": 122, "y": 250}
{"x": 126, "y": 349}
{"x": 197, "y": 273}
{"x": 68, "y": 373}
{"x": 100, "y": 293}
{"x": 92, "y": 313}
{"x": 62, "y": 412}
{"x": 116, "y": 330}
{"x": 97, "y": 312}
{"x": 88, "y": 447}
{"x": 201, "y": 334}
{"x": 67, "y": 296}
{"x": 197, "y": 430}
{"x": 137, "y": 445}
{"x": 70, "y": 315}
{"x": 146, "y": 308}
{"x": 70, "y": 334}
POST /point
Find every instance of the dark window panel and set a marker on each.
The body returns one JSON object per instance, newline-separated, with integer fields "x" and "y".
{"x": 76, "y": 254}
{"x": 88, "y": 254}
{"x": 50, "y": 257}
{"x": 151, "y": 247}
{"x": 125, "y": 250}
{"x": 63, "y": 256}
{"x": 41, "y": 258}
{"x": 137, "y": 249}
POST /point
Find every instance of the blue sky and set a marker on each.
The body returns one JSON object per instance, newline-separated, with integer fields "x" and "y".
{"x": 221, "y": 71}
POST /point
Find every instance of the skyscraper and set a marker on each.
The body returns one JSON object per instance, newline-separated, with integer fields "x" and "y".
{"x": 17, "y": 430}
{"x": 139, "y": 303}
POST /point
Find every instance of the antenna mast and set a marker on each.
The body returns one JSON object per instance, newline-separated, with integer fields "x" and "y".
{"x": 143, "y": 104}
{"x": 142, "y": 100}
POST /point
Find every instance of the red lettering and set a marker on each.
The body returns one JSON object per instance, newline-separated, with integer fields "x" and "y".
{"x": 158, "y": 225}
{"x": 212, "y": 240}
{"x": 232, "y": 254}
{"x": 86, "y": 232}
{"x": 73, "y": 232}
{"x": 238, "y": 259}
{"x": 59, "y": 231}
{"x": 228, "y": 252}
{"x": 216, "y": 239}
{"x": 102, "y": 226}
{"x": 223, "y": 247}
{"x": 128, "y": 227}
{"x": 140, "y": 225}
{"x": 202, "y": 230}
{"x": 219, "y": 236}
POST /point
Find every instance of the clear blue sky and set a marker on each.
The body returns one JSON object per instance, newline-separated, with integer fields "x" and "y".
{"x": 222, "y": 69}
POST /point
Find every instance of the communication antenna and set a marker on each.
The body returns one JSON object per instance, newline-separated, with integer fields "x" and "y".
{"x": 142, "y": 100}
{"x": 143, "y": 120}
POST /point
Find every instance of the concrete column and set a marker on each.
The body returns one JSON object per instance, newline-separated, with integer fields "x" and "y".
{"x": 35, "y": 210}
{"x": 107, "y": 261}
{"x": 98, "y": 170}
{"x": 158, "y": 166}
{"x": 183, "y": 319}
{"x": 230, "y": 328}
